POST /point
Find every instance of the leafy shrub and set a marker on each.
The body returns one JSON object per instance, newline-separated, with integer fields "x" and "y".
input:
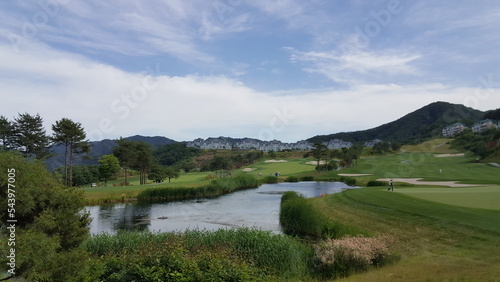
{"x": 292, "y": 179}
{"x": 348, "y": 180}
{"x": 341, "y": 257}
{"x": 270, "y": 179}
{"x": 374, "y": 183}
{"x": 307, "y": 178}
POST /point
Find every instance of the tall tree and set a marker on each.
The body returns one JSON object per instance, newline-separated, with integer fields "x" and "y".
{"x": 125, "y": 153}
{"x": 30, "y": 137}
{"x": 318, "y": 152}
{"x": 143, "y": 159}
{"x": 6, "y": 133}
{"x": 108, "y": 167}
{"x": 72, "y": 136}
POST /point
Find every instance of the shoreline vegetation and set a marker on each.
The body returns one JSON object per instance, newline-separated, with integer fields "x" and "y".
{"x": 365, "y": 234}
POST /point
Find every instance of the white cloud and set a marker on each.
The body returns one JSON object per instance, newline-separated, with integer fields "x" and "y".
{"x": 357, "y": 66}
{"x": 111, "y": 103}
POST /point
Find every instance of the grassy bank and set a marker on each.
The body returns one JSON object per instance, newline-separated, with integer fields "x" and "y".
{"x": 435, "y": 242}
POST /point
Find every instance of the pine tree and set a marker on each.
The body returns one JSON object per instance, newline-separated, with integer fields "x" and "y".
{"x": 71, "y": 135}
{"x": 29, "y": 136}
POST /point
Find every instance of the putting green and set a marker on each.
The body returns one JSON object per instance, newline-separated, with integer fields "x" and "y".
{"x": 484, "y": 197}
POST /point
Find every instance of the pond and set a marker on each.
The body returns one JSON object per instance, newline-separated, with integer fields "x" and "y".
{"x": 255, "y": 208}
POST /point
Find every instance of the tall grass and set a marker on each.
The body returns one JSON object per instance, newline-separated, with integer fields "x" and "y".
{"x": 299, "y": 217}
{"x": 216, "y": 187}
{"x": 223, "y": 255}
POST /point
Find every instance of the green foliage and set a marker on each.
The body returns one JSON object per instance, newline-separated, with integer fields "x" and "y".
{"x": 348, "y": 180}
{"x": 223, "y": 255}
{"x": 292, "y": 179}
{"x": 373, "y": 183}
{"x": 421, "y": 124}
{"x": 485, "y": 144}
{"x": 216, "y": 188}
{"x": 50, "y": 222}
{"x": 175, "y": 154}
{"x": 29, "y": 136}
{"x": 108, "y": 167}
{"x": 307, "y": 178}
{"x": 299, "y": 217}
{"x": 270, "y": 179}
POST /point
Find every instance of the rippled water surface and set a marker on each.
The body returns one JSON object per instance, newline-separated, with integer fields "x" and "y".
{"x": 248, "y": 208}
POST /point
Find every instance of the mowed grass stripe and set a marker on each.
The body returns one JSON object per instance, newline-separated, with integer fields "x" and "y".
{"x": 486, "y": 197}
{"x": 288, "y": 168}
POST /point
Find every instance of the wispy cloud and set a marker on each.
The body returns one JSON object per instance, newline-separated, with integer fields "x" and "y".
{"x": 356, "y": 67}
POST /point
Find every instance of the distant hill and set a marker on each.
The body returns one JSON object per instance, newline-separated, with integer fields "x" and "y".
{"x": 414, "y": 127}
{"x": 100, "y": 148}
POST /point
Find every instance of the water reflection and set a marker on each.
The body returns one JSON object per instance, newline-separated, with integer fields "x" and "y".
{"x": 249, "y": 208}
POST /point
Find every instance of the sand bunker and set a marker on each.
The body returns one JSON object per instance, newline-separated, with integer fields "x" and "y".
{"x": 354, "y": 174}
{"x": 316, "y": 162}
{"x": 276, "y": 161}
{"x": 247, "y": 169}
{"x": 417, "y": 181}
{"x": 448, "y": 155}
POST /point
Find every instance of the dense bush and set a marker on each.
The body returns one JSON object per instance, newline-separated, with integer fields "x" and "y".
{"x": 223, "y": 255}
{"x": 307, "y": 178}
{"x": 341, "y": 257}
{"x": 50, "y": 223}
{"x": 374, "y": 183}
{"x": 216, "y": 188}
{"x": 348, "y": 180}
{"x": 292, "y": 179}
{"x": 270, "y": 179}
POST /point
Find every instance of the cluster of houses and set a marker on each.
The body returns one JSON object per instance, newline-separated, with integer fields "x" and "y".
{"x": 267, "y": 146}
{"x": 452, "y": 129}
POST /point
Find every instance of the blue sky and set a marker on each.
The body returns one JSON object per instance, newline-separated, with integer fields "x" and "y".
{"x": 286, "y": 70}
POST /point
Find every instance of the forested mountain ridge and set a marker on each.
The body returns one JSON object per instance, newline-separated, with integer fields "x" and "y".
{"x": 100, "y": 148}
{"x": 424, "y": 123}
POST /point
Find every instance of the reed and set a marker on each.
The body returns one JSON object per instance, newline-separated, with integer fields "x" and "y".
{"x": 216, "y": 187}
{"x": 224, "y": 255}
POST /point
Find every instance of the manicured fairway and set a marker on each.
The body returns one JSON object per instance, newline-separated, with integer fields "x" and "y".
{"x": 484, "y": 197}
{"x": 287, "y": 168}
{"x": 433, "y": 241}
{"x": 428, "y": 167}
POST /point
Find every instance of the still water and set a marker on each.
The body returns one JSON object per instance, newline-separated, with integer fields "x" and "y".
{"x": 257, "y": 208}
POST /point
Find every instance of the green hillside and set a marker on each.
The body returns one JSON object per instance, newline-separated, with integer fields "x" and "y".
{"x": 414, "y": 127}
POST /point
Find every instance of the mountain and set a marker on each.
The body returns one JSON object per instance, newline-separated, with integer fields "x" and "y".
{"x": 421, "y": 124}
{"x": 100, "y": 148}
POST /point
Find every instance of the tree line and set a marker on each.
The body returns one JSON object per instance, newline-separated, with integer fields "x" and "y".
{"x": 27, "y": 135}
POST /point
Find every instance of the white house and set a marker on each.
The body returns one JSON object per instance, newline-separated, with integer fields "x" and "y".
{"x": 483, "y": 125}
{"x": 452, "y": 129}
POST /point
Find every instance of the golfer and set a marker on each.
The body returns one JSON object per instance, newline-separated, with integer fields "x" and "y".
{"x": 391, "y": 187}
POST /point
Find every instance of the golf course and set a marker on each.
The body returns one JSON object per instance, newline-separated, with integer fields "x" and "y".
{"x": 441, "y": 222}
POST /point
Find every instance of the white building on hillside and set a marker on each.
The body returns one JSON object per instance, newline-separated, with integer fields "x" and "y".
{"x": 452, "y": 129}
{"x": 483, "y": 125}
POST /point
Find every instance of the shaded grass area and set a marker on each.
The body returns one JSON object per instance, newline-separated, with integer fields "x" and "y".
{"x": 435, "y": 242}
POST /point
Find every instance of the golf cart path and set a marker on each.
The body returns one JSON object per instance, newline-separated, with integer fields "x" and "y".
{"x": 417, "y": 181}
